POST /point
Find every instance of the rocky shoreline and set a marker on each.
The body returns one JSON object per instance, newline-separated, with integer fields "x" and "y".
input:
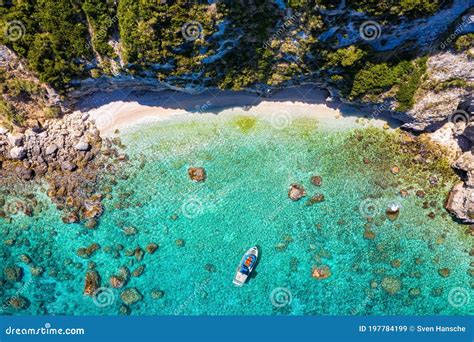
{"x": 70, "y": 155}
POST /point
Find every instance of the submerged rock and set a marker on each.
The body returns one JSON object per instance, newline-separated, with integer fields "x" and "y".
{"x": 116, "y": 282}
{"x": 322, "y": 272}
{"x": 138, "y": 271}
{"x": 130, "y": 230}
{"x": 157, "y": 294}
{"x": 197, "y": 174}
{"x": 92, "y": 283}
{"x": 316, "y": 198}
{"x": 180, "y": 243}
{"x": 369, "y": 234}
{"x": 210, "y": 268}
{"x": 131, "y": 296}
{"x": 17, "y": 302}
{"x": 151, "y": 247}
{"x": 444, "y": 272}
{"x": 392, "y": 211}
{"x": 296, "y": 192}
{"x": 13, "y": 273}
{"x": 124, "y": 310}
{"x": 391, "y": 285}
{"x": 87, "y": 252}
{"x": 316, "y": 180}
{"x": 414, "y": 292}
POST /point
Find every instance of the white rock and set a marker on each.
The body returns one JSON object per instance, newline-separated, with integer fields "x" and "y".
{"x": 3, "y": 130}
{"x": 16, "y": 139}
{"x": 51, "y": 149}
{"x": 82, "y": 146}
{"x": 18, "y": 153}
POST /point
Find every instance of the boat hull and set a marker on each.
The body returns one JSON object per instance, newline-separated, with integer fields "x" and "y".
{"x": 240, "y": 277}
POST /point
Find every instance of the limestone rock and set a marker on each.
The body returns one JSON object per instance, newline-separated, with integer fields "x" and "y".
{"x": 391, "y": 285}
{"x": 82, "y": 146}
{"x": 131, "y": 296}
{"x": 460, "y": 204}
{"x": 51, "y": 149}
{"x": 16, "y": 139}
{"x": 68, "y": 166}
{"x": 296, "y": 192}
{"x": 197, "y": 174}
{"x": 18, "y": 153}
{"x": 92, "y": 283}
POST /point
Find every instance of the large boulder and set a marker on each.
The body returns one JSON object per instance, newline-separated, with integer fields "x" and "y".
{"x": 18, "y": 153}
{"x": 92, "y": 283}
{"x": 68, "y": 166}
{"x": 460, "y": 203}
{"x": 197, "y": 174}
{"x": 296, "y": 192}
{"x": 465, "y": 162}
{"x": 16, "y": 139}
{"x": 82, "y": 145}
{"x": 51, "y": 149}
{"x": 391, "y": 285}
{"x": 25, "y": 173}
{"x": 131, "y": 296}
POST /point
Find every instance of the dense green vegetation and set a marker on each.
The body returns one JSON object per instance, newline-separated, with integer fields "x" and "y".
{"x": 53, "y": 40}
{"x": 238, "y": 43}
{"x": 101, "y": 18}
{"x": 464, "y": 42}
{"x": 412, "y": 8}
{"x": 375, "y": 79}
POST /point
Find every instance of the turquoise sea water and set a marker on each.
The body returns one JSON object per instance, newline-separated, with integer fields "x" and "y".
{"x": 244, "y": 202}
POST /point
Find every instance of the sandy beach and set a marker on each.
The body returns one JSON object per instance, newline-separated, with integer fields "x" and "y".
{"x": 128, "y": 110}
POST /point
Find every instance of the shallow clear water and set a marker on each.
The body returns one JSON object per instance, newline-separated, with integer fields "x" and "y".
{"x": 244, "y": 202}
